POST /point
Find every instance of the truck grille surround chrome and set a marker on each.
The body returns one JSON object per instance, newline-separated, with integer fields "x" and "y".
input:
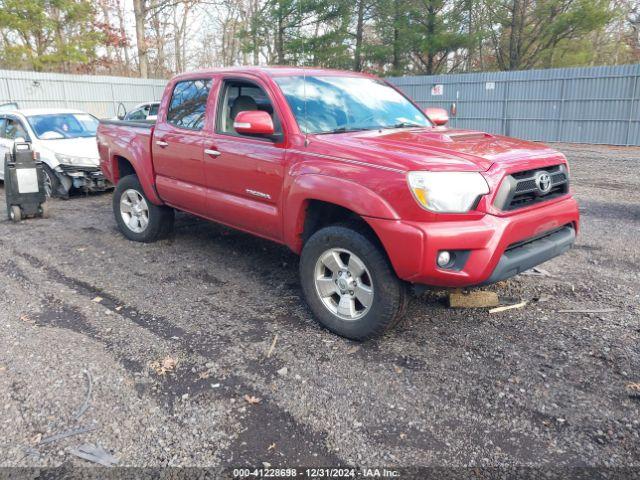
{"x": 521, "y": 189}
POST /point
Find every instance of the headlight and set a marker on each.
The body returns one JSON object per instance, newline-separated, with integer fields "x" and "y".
{"x": 72, "y": 160}
{"x": 447, "y": 192}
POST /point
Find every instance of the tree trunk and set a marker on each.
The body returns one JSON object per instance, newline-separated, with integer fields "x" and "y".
{"x": 431, "y": 30}
{"x": 280, "y": 40}
{"x": 396, "y": 37}
{"x": 254, "y": 32}
{"x": 176, "y": 41}
{"x": 125, "y": 41}
{"x": 183, "y": 35}
{"x": 111, "y": 51}
{"x": 160, "y": 67}
{"x": 357, "y": 63}
{"x": 139, "y": 12}
{"x": 514, "y": 53}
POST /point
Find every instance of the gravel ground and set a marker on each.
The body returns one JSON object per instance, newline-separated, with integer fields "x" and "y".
{"x": 526, "y": 387}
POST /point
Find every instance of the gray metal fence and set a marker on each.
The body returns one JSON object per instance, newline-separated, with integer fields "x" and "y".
{"x": 99, "y": 95}
{"x": 580, "y": 105}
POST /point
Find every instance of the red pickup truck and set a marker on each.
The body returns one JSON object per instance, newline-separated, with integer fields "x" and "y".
{"x": 373, "y": 193}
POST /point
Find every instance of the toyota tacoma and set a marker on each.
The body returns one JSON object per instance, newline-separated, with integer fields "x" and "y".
{"x": 372, "y": 192}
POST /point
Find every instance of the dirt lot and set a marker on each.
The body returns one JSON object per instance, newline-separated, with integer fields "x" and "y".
{"x": 532, "y": 386}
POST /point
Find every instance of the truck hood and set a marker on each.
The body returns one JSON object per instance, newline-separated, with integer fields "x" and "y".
{"x": 86, "y": 148}
{"x": 432, "y": 148}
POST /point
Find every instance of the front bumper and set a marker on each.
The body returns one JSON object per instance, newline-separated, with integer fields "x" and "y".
{"x": 89, "y": 179}
{"x": 521, "y": 257}
{"x": 492, "y": 248}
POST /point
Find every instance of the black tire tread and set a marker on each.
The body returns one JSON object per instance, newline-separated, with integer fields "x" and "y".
{"x": 55, "y": 182}
{"x": 394, "y": 290}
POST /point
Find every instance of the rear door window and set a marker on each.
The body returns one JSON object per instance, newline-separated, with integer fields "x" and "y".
{"x": 188, "y": 104}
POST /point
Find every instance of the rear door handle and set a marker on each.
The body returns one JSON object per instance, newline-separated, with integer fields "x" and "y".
{"x": 213, "y": 153}
{"x": 161, "y": 143}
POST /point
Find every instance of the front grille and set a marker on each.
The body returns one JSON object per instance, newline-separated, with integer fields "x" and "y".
{"x": 73, "y": 168}
{"x": 521, "y": 189}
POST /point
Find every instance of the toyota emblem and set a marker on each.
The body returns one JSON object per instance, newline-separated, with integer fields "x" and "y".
{"x": 543, "y": 182}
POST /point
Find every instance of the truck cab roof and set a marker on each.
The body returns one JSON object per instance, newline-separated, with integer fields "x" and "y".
{"x": 274, "y": 71}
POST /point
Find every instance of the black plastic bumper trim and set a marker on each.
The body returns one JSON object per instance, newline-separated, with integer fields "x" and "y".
{"x": 527, "y": 255}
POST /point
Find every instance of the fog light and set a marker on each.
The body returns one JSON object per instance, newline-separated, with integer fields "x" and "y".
{"x": 444, "y": 258}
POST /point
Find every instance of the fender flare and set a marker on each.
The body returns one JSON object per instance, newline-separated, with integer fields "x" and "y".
{"x": 143, "y": 170}
{"x": 344, "y": 193}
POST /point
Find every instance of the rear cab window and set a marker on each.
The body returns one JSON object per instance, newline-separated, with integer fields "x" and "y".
{"x": 189, "y": 103}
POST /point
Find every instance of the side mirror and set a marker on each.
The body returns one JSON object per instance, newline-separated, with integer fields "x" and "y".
{"x": 121, "y": 111}
{"x": 437, "y": 115}
{"x": 254, "y": 122}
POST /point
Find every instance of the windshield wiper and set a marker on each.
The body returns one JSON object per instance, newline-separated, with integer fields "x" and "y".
{"x": 404, "y": 125}
{"x": 343, "y": 130}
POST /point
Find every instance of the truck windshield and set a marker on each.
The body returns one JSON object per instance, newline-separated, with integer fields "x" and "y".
{"x": 344, "y": 104}
{"x": 63, "y": 125}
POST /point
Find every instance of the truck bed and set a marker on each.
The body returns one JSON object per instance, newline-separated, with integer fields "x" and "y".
{"x": 129, "y": 123}
{"x": 128, "y": 140}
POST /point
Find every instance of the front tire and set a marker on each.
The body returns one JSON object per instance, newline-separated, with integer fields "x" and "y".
{"x": 349, "y": 283}
{"x": 137, "y": 218}
{"x": 52, "y": 185}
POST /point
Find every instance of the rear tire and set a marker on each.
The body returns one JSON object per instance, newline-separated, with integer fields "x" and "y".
{"x": 137, "y": 218}
{"x": 349, "y": 283}
{"x": 44, "y": 210}
{"x": 15, "y": 213}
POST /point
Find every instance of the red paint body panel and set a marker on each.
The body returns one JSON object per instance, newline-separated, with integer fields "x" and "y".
{"x": 487, "y": 238}
{"x": 264, "y": 188}
{"x": 133, "y": 144}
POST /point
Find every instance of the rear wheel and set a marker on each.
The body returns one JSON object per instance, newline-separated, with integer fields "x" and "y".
{"x": 349, "y": 283}
{"x": 43, "y": 210}
{"x": 138, "y": 218}
{"x": 15, "y": 213}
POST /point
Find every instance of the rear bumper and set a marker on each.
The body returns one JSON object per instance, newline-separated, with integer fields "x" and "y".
{"x": 489, "y": 249}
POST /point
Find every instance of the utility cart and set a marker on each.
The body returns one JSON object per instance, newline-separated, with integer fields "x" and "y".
{"x": 24, "y": 183}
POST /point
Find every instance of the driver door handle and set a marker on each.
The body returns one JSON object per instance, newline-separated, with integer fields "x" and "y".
{"x": 213, "y": 153}
{"x": 161, "y": 143}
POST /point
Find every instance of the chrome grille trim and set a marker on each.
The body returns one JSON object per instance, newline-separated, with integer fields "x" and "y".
{"x": 520, "y": 189}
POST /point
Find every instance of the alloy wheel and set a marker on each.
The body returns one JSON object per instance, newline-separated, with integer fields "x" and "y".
{"x": 134, "y": 210}
{"x": 48, "y": 184}
{"x": 343, "y": 284}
